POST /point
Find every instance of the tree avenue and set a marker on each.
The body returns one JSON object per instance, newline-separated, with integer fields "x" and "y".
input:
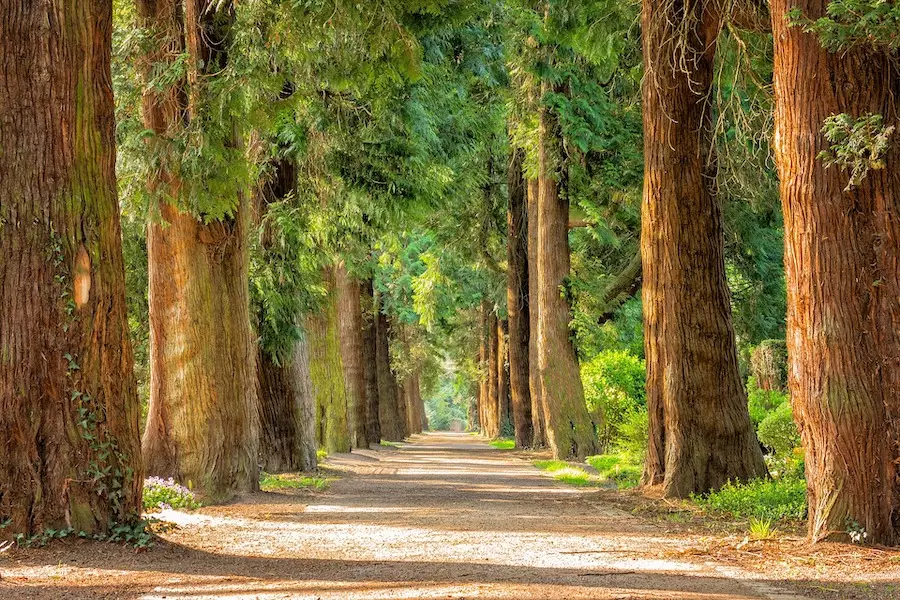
{"x": 660, "y": 239}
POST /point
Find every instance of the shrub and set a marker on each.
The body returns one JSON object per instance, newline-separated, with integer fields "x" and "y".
{"x": 779, "y": 432}
{"x": 772, "y": 499}
{"x": 613, "y": 389}
{"x": 623, "y": 468}
{"x": 160, "y": 494}
{"x": 762, "y": 402}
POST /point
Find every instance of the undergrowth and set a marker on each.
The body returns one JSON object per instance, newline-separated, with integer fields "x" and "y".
{"x": 563, "y": 471}
{"x": 762, "y": 499}
{"x": 289, "y": 481}
{"x": 622, "y": 468}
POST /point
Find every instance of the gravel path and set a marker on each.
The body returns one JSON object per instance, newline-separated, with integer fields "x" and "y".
{"x": 444, "y": 516}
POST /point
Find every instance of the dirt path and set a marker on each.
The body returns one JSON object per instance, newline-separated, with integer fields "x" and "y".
{"x": 445, "y": 516}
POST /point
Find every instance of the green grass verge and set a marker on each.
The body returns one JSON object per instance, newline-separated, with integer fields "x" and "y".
{"x": 503, "y": 443}
{"x": 563, "y": 471}
{"x": 291, "y": 481}
{"x": 762, "y": 499}
{"x": 622, "y": 468}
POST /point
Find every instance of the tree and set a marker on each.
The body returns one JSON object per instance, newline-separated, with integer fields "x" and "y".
{"x": 518, "y": 301}
{"x": 700, "y": 431}
{"x": 327, "y": 371}
{"x": 534, "y": 373}
{"x": 569, "y": 430}
{"x": 202, "y": 426}
{"x": 69, "y": 417}
{"x": 842, "y": 254}
{"x": 287, "y": 412}
{"x": 351, "y": 323}
{"x": 370, "y": 365}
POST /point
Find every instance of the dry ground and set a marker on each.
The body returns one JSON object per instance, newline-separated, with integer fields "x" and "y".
{"x": 445, "y": 516}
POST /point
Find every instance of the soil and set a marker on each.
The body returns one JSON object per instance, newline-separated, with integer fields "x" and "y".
{"x": 444, "y": 516}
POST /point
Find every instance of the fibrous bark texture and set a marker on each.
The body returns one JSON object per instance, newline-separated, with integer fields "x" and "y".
{"x": 326, "y": 371}
{"x": 700, "y": 431}
{"x": 370, "y": 367}
{"x": 517, "y": 301}
{"x": 202, "y": 426}
{"x": 568, "y": 427}
{"x": 842, "y": 260}
{"x": 534, "y": 372}
{"x": 351, "y": 322}
{"x": 391, "y": 409}
{"x": 287, "y": 412}
{"x": 69, "y": 455}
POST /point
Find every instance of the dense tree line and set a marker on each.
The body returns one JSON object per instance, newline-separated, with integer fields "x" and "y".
{"x": 263, "y": 228}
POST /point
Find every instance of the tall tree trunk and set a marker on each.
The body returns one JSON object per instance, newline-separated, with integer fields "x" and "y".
{"x": 534, "y": 371}
{"x": 351, "y": 321}
{"x": 68, "y": 400}
{"x": 569, "y": 430}
{"x": 492, "y": 406}
{"x": 370, "y": 366}
{"x": 393, "y": 419}
{"x": 287, "y": 412}
{"x": 517, "y": 301}
{"x": 842, "y": 261}
{"x": 202, "y": 425}
{"x": 504, "y": 408}
{"x": 327, "y": 372}
{"x": 700, "y": 431}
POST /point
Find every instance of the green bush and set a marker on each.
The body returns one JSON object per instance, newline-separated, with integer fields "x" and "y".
{"x": 761, "y": 402}
{"x": 162, "y": 493}
{"x": 773, "y": 499}
{"x": 613, "y": 391}
{"x": 779, "y": 432}
{"x": 623, "y": 468}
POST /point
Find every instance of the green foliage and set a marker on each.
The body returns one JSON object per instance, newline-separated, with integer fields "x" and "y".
{"x": 762, "y": 529}
{"x": 774, "y": 499}
{"x": 270, "y": 483}
{"x": 847, "y": 23}
{"x": 624, "y": 468}
{"x": 613, "y": 390}
{"x": 857, "y": 145}
{"x": 503, "y": 443}
{"x": 162, "y": 494}
{"x": 761, "y": 402}
{"x": 568, "y": 474}
{"x": 779, "y": 432}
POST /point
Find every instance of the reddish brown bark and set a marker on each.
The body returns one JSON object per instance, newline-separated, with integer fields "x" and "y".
{"x": 351, "y": 321}
{"x": 568, "y": 427}
{"x": 370, "y": 367}
{"x": 391, "y": 411}
{"x": 534, "y": 372}
{"x": 517, "y": 301}
{"x": 700, "y": 431}
{"x": 504, "y": 401}
{"x": 287, "y": 412}
{"x": 842, "y": 259}
{"x": 68, "y": 401}
{"x": 202, "y": 425}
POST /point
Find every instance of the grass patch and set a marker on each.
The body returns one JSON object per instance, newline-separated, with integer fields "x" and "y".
{"x": 621, "y": 468}
{"x": 503, "y": 443}
{"x": 563, "y": 471}
{"x": 762, "y": 499}
{"x": 291, "y": 481}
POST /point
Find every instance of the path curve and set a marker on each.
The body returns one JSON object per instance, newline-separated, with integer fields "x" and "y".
{"x": 444, "y": 516}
